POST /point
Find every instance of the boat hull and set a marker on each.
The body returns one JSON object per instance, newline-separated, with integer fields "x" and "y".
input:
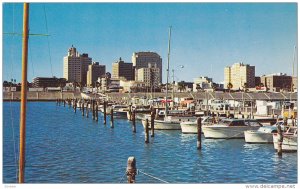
{"x": 189, "y": 128}
{"x": 289, "y": 143}
{"x": 258, "y": 137}
{"x": 226, "y": 132}
{"x": 164, "y": 125}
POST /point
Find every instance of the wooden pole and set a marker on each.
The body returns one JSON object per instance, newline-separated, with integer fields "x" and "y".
{"x": 147, "y": 131}
{"x": 133, "y": 121}
{"x": 130, "y": 112}
{"x": 112, "y": 118}
{"x": 82, "y": 107}
{"x": 93, "y": 109}
{"x": 96, "y": 110}
{"x": 104, "y": 112}
{"x": 280, "y": 140}
{"x": 199, "y": 130}
{"x": 152, "y": 123}
{"x": 87, "y": 109}
{"x": 131, "y": 169}
{"x": 23, "y": 93}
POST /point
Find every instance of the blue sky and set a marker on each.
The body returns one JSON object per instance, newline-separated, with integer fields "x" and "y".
{"x": 206, "y": 37}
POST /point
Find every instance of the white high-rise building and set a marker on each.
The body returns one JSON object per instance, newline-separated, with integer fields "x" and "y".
{"x": 149, "y": 75}
{"x": 75, "y": 66}
{"x": 240, "y": 76}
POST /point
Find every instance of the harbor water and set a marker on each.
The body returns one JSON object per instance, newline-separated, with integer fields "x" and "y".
{"x": 66, "y": 147}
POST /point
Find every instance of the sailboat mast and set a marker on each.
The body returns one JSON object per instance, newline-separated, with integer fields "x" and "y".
{"x": 23, "y": 92}
{"x": 292, "y": 84}
{"x": 169, "y": 46}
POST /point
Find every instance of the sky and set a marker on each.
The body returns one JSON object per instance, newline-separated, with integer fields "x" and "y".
{"x": 206, "y": 37}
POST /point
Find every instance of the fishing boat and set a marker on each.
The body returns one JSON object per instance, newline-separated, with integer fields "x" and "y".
{"x": 190, "y": 127}
{"x": 230, "y": 128}
{"x": 289, "y": 142}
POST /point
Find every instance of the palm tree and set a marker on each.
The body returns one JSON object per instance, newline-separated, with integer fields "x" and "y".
{"x": 181, "y": 86}
{"x": 229, "y": 86}
{"x": 198, "y": 88}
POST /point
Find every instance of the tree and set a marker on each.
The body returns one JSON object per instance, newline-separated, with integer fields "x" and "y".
{"x": 181, "y": 86}
{"x": 198, "y": 88}
{"x": 229, "y": 86}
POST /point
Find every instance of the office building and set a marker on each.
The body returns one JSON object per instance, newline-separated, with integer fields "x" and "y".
{"x": 75, "y": 66}
{"x": 95, "y": 71}
{"x": 143, "y": 59}
{"x": 43, "y": 82}
{"x": 240, "y": 75}
{"x": 122, "y": 70}
{"x": 150, "y": 76}
{"x": 277, "y": 81}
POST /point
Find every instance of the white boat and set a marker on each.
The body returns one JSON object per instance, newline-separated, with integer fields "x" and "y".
{"x": 290, "y": 140}
{"x": 230, "y": 128}
{"x": 191, "y": 126}
{"x": 262, "y": 135}
{"x": 120, "y": 110}
{"x": 169, "y": 123}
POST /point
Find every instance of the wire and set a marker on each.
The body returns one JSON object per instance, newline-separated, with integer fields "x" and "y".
{"x": 48, "y": 40}
{"x": 152, "y": 176}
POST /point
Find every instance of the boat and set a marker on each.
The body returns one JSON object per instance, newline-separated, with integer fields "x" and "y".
{"x": 289, "y": 142}
{"x": 120, "y": 110}
{"x": 190, "y": 127}
{"x": 230, "y": 128}
{"x": 262, "y": 135}
{"x": 169, "y": 123}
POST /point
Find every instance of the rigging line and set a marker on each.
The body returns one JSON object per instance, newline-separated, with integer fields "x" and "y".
{"x": 11, "y": 112}
{"x": 48, "y": 40}
{"x": 122, "y": 178}
{"x": 152, "y": 176}
{"x": 30, "y": 53}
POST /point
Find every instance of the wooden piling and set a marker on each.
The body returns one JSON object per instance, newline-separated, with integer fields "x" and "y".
{"x": 104, "y": 112}
{"x": 133, "y": 122}
{"x": 82, "y": 108}
{"x": 93, "y": 109}
{"x": 64, "y": 103}
{"x": 87, "y": 109}
{"x": 131, "y": 169}
{"x": 112, "y": 118}
{"x": 199, "y": 130}
{"x": 75, "y": 105}
{"x": 96, "y": 111}
{"x": 152, "y": 123}
{"x": 280, "y": 140}
{"x": 147, "y": 131}
{"x": 130, "y": 112}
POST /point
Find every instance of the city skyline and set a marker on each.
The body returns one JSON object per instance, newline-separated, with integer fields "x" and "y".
{"x": 206, "y": 37}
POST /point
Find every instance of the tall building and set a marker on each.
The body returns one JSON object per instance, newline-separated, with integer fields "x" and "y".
{"x": 143, "y": 59}
{"x": 150, "y": 76}
{"x": 276, "y": 82}
{"x": 85, "y": 62}
{"x": 75, "y": 66}
{"x": 239, "y": 75}
{"x": 95, "y": 71}
{"x": 121, "y": 69}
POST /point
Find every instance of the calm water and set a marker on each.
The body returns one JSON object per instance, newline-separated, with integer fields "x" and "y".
{"x": 63, "y": 147}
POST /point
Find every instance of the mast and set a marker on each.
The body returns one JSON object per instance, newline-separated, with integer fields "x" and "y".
{"x": 23, "y": 92}
{"x": 166, "y": 108}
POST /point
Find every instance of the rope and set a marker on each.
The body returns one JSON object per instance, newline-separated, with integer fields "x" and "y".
{"x": 152, "y": 176}
{"x": 122, "y": 178}
{"x": 48, "y": 40}
{"x": 11, "y": 112}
